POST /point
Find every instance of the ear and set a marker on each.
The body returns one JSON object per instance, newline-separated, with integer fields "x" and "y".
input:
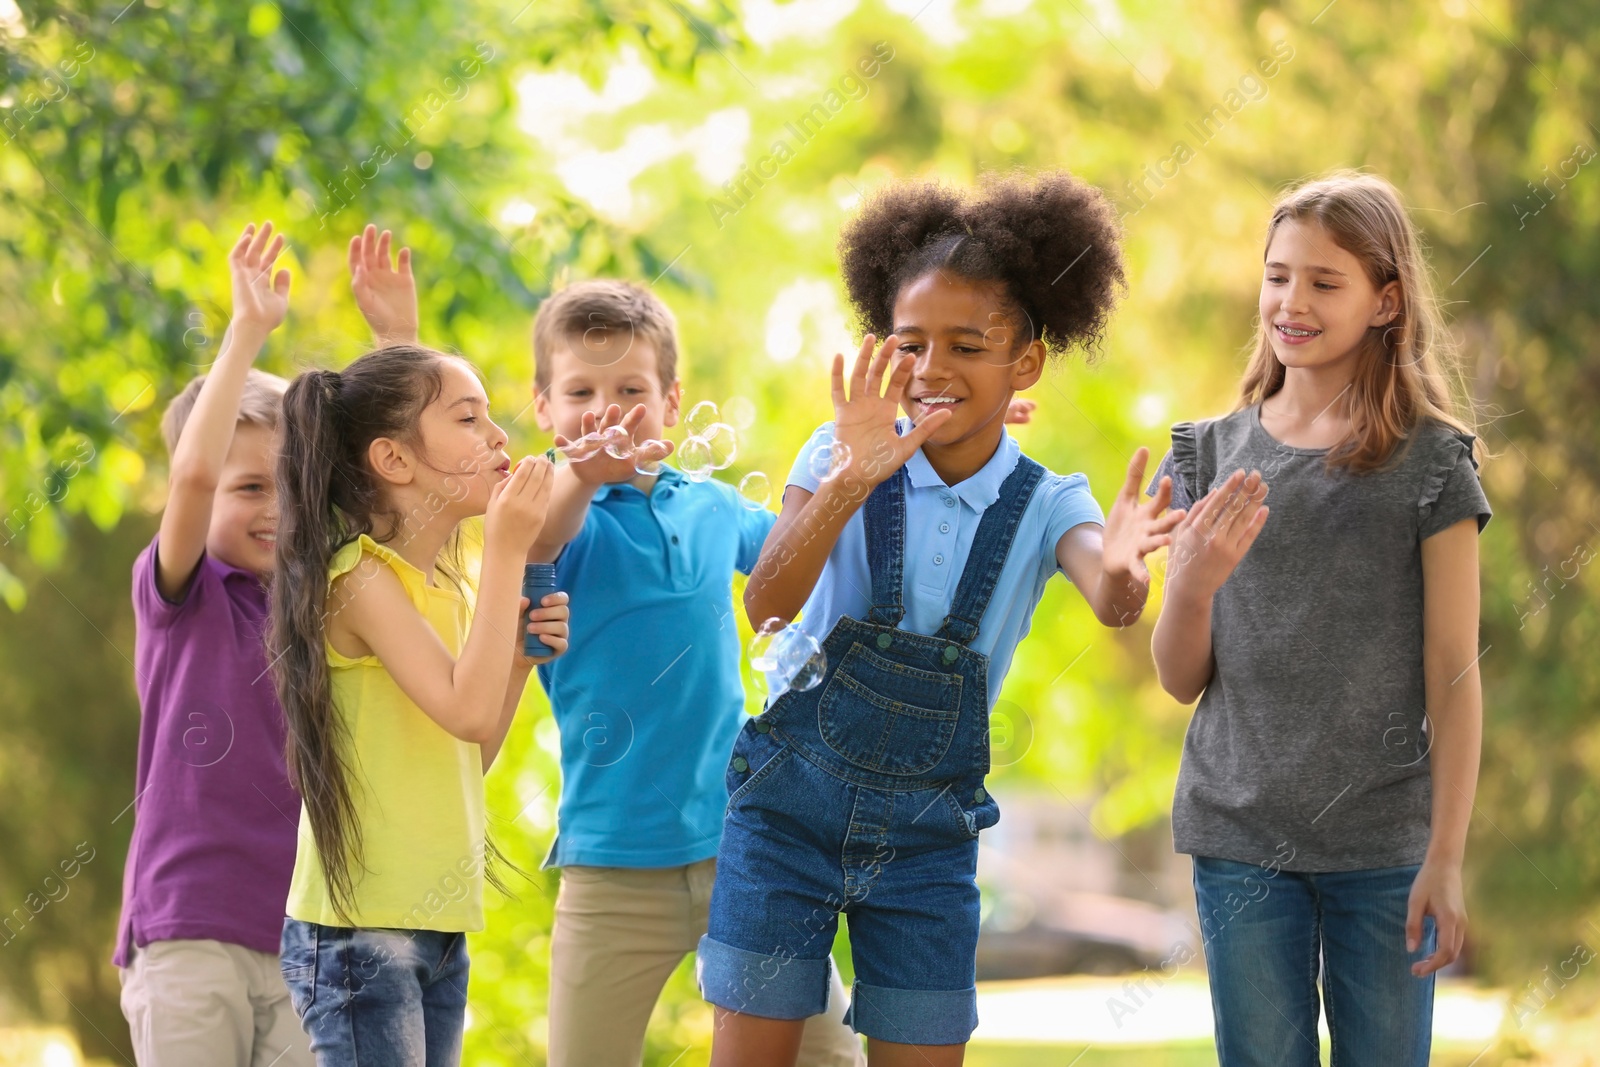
{"x": 1029, "y": 368}
{"x": 1388, "y": 306}
{"x": 391, "y": 461}
{"x": 541, "y": 408}
{"x": 674, "y": 402}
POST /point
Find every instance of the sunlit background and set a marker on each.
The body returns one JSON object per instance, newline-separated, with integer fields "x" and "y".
{"x": 713, "y": 151}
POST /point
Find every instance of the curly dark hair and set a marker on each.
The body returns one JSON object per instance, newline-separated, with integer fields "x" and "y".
{"x": 1049, "y": 240}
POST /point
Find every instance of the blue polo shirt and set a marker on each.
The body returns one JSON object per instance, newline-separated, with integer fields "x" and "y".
{"x": 941, "y": 522}
{"x": 649, "y": 698}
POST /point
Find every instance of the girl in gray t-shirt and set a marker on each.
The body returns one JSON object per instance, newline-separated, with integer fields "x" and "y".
{"x": 1328, "y": 772}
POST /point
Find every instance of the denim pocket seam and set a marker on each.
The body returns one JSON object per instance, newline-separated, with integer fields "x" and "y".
{"x": 761, "y": 774}
{"x": 964, "y": 821}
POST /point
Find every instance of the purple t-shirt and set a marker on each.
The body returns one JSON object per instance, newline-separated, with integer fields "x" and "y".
{"x": 214, "y": 815}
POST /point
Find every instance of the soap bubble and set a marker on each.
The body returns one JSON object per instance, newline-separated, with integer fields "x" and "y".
{"x": 701, "y": 417}
{"x": 791, "y": 656}
{"x": 647, "y": 457}
{"x": 695, "y": 459}
{"x": 583, "y": 448}
{"x": 755, "y": 491}
{"x": 826, "y": 462}
{"x": 617, "y": 442}
{"x": 724, "y": 444}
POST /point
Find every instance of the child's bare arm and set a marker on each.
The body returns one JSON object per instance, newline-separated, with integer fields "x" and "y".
{"x": 549, "y": 622}
{"x": 810, "y": 524}
{"x": 260, "y": 302}
{"x": 385, "y": 292}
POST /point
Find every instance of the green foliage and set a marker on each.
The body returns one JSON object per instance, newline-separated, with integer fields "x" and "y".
{"x": 187, "y": 119}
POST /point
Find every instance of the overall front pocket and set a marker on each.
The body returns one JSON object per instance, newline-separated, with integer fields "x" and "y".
{"x": 886, "y": 717}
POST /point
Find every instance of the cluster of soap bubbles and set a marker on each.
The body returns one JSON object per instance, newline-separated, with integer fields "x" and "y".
{"x": 712, "y": 445}
{"x": 615, "y": 442}
{"x": 791, "y": 657}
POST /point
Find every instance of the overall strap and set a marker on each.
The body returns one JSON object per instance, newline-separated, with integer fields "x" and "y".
{"x": 990, "y": 546}
{"x": 885, "y": 519}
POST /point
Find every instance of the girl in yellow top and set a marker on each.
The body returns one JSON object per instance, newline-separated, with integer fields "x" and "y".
{"x": 396, "y": 698}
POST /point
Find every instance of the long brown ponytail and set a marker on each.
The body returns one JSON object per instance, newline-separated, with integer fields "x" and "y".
{"x": 327, "y": 498}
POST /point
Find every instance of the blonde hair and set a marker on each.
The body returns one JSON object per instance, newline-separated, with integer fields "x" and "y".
{"x": 1401, "y": 369}
{"x": 606, "y": 306}
{"x": 261, "y": 404}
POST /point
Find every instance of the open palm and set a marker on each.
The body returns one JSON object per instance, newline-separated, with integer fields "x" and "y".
{"x": 864, "y": 420}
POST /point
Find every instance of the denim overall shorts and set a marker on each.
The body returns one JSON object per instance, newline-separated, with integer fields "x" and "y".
{"x": 864, "y": 795}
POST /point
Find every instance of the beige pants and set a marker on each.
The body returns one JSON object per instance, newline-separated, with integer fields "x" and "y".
{"x": 619, "y": 934}
{"x": 210, "y": 1004}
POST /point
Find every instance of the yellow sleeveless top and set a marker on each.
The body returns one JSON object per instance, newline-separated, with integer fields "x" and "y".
{"x": 418, "y": 790}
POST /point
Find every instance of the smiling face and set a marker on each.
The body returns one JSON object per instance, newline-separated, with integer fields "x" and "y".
{"x": 966, "y": 362}
{"x": 463, "y": 450}
{"x": 244, "y": 511}
{"x": 1317, "y": 302}
{"x": 590, "y": 372}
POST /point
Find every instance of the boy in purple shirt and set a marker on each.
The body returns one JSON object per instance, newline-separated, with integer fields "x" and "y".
{"x": 215, "y": 818}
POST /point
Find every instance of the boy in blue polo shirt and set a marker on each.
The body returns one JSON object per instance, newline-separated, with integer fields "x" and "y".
{"x": 649, "y": 698}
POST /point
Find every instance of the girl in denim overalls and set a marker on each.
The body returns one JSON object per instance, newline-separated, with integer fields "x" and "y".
{"x": 921, "y": 554}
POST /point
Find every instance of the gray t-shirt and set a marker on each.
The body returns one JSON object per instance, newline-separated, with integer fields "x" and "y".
{"x": 1309, "y": 739}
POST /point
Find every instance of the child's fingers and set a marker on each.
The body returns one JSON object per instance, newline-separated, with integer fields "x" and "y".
{"x": 632, "y": 419}
{"x": 858, "y": 373}
{"x": 242, "y": 245}
{"x": 270, "y": 256}
{"x": 899, "y": 378}
{"x": 921, "y": 431}
{"x": 838, "y": 380}
{"x": 405, "y": 262}
{"x": 882, "y": 360}
{"x": 355, "y": 255}
{"x": 1163, "y": 498}
{"x": 613, "y": 416}
{"x": 369, "y": 245}
{"x": 1248, "y": 536}
{"x": 556, "y": 600}
{"x": 280, "y": 283}
{"x": 263, "y": 235}
{"x": 1135, "y": 477}
{"x": 384, "y": 240}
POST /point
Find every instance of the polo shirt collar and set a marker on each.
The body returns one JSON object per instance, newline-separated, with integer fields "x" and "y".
{"x": 668, "y": 476}
{"x": 978, "y": 491}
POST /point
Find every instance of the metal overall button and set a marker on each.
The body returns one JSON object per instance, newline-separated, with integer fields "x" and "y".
{"x": 741, "y": 764}
{"x": 884, "y": 641}
{"x": 951, "y": 653}
{"x": 763, "y": 726}
{"x": 979, "y": 795}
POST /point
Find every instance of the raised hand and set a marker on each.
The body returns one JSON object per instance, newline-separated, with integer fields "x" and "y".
{"x": 385, "y": 291}
{"x": 1133, "y": 529}
{"x": 1216, "y": 533}
{"x": 599, "y": 466}
{"x": 260, "y": 298}
{"x": 517, "y": 506}
{"x": 864, "y": 420}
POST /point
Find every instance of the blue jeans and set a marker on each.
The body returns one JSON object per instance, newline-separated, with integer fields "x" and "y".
{"x": 1264, "y": 929}
{"x": 384, "y": 998}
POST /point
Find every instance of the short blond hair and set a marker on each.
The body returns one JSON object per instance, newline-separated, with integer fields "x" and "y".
{"x": 261, "y": 404}
{"x": 608, "y": 306}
